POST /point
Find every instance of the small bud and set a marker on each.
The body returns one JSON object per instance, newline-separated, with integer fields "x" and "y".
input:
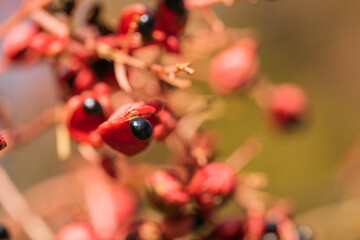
{"x": 288, "y": 105}
{"x": 166, "y": 192}
{"x": 212, "y": 185}
{"x": 235, "y": 68}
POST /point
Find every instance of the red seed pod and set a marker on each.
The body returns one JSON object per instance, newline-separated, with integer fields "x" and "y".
{"x": 2, "y": 143}
{"x": 84, "y": 113}
{"x": 77, "y": 78}
{"x": 48, "y": 45}
{"x": 166, "y": 192}
{"x": 129, "y": 129}
{"x": 235, "y": 68}
{"x": 129, "y": 15}
{"x": 288, "y": 105}
{"x": 231, "y": 229}
{"x": 78, "y": 231}
{"x": 212, "y": 185}
{"x": 171, "y": 17}
{"x": 16, "y": 43}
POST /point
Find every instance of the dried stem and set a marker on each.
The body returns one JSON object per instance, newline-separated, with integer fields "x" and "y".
{"x": 17, "y": 207}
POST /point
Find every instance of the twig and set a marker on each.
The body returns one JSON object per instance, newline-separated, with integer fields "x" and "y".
{"x": 17, "y": 207}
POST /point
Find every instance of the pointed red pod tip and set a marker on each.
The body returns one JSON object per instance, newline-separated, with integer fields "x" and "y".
{"x": 3, "y": 143}
{"x": 119, "y": 133}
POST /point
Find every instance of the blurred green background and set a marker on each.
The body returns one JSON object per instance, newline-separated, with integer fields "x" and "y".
{"x": 315, "y": 44}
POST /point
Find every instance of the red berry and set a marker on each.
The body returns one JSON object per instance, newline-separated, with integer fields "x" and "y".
{"x": 288, "y": 104}
{"x": 235, "y": 68}
{"x": 212, "y": 185}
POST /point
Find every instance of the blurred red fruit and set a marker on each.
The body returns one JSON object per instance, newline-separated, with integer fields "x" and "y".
{"x": 166, "y": 192}
{"x": 76, "y": 231}
{"x": 175, "y": 227}
{"x": 231, "y": 229}
{"x": 2, "y": 143}
{"x": 16, "y": 43}
{"x": 126, "y": 204}
{"x": 235, "y": 68}
{"x": 212, "y": 185}
{"x": 171, "y": 17}
{"x": 288, "y": 105}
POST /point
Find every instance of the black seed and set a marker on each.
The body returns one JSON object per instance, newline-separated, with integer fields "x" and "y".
{"x": 102, "y": 66}
{"x": 141, "y": 128}
{"x": 146, "y": 25}
{"x": 4, "y": 234}
{"x": 271, "y": 227}
{"x": 92, "y": 106}
{"x": 176, "y": 6}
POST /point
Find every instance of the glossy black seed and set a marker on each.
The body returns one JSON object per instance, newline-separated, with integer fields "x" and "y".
{"x": 146, "y": 25}
{"x": 102, "y": 66}
{"x": 92, "y": 106}
{"x": 271, "y": 227}
{"x": 176, "y": 6}
{"x": 141, "y": 128}
{"x": 4, "y": 234}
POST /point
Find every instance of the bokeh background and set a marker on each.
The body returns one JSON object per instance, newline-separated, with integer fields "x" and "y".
{"x": 315, "y": 44}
